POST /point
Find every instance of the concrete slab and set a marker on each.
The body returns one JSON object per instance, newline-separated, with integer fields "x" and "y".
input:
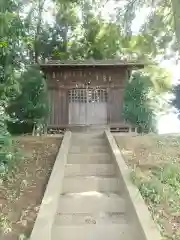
{"x": 101, "y": 218}
{"x": 94, "y": 158}
{"x": 91, "y": 202}
{"x": 90, "y": 170}
{"x": 89, "y": 149}
{"x": 89, "y": 141}
{"x": 88, "y": 135}
{"x": 85, "y": 184}
{"x": 92, "y": 232}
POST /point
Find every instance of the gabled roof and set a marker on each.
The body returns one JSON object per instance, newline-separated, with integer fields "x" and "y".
{"x": 93, "y": 63}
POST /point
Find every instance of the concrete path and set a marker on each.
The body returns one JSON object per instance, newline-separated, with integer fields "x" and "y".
{"x": 92, "y": 205}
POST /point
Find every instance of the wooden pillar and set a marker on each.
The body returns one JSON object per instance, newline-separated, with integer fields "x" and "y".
{"x": 108, "y": 106}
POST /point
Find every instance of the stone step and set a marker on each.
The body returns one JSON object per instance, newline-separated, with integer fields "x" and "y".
{"x": 92, "y": 232}
{"x": 93, "y": 183}
{"x": 90, "y": 219}
{"x": 94, "y": 158}
{"x": 91, "y": 202}
{"x": 89, "y": 141}
{"x": 89, "y": 149}
{"x": 90, "y": 170}
{"x": 88, "y": 135}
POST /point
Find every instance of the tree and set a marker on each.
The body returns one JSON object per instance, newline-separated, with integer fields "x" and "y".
{"x": 34, "y": 28}
{"x": 145, "y": 98}
{"x": 138, "y": 109}
{"x": 31, "y": 106}
{"x": 176, "y": 15}
{"x": 162, "y": 24}
{"x": 11, "y": 32}
{"x": 6, "y": 155}
{"x": 176, "y": 100}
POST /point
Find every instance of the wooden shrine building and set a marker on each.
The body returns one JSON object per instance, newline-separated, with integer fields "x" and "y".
{"x": 86, "y": 93}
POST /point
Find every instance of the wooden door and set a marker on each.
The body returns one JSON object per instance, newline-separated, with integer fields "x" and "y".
{"x": 87, "y": 107}
{"x": 97, "y": 107}
{"x": 77, "y": 107}
{"x": 115, "y": 101}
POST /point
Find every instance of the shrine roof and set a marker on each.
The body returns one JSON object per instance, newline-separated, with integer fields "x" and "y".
{"x": 93, "y": 63}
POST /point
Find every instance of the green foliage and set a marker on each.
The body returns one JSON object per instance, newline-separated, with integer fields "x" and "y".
{"x": 160, "y": 189}
{"x": 169, "y": 174}
{"x": 160, "y": 77}
{"x": 31, "y": 105}
{"x": 11, "y": 32}
{"x": 176, "y": 100}
{"x": 6, "y": 155}
{"x": 161, "y": 27}
{"x": 149, "y": 188}
{"x": 137, "y": 103}
{"x": 176, "y": 17}
{"x": 145, "y": 97}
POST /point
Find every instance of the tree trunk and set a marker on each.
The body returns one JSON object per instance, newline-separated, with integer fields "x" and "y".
{"x": 176, "y": 15}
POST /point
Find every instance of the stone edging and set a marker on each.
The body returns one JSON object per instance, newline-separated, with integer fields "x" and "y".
{"x": 142, "y": 218}
{"x": 43, "y": 225}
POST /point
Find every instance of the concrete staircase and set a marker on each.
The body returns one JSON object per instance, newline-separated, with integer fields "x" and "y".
{"x": 92, "y": 205}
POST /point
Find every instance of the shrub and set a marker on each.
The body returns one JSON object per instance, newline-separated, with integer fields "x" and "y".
{"x": 6, "y": 155}
{"x": 31, "y": 106}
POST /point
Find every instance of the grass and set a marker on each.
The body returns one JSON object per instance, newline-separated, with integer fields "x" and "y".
{"x": 155, "y": 163}
{"x": 5, "y": 224}
{"x": 23, "y": 237}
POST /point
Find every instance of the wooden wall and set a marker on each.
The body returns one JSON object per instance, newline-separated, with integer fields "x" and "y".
{"x": 115, "y": 105}
{"x": 59, "y": 107}
{"x": 81, "y": 77}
